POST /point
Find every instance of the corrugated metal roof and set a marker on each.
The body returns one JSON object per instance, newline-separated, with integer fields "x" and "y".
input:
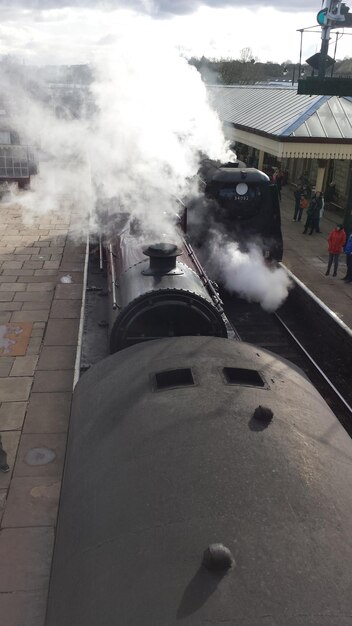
{"x": 281, "y": 112}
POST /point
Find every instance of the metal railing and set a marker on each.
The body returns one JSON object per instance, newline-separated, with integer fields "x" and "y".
{"x": 14, "y": 162}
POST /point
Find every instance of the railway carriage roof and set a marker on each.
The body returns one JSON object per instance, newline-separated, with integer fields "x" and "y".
{"x": 281, "y": 112}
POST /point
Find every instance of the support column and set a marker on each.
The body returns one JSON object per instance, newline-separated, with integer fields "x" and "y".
{"x": 347, "y": 219}
{"x": 261, "y": 159}
{"x": 319, "y": 183}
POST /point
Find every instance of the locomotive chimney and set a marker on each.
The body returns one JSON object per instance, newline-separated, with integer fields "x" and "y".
{"x": 162, "y": 259}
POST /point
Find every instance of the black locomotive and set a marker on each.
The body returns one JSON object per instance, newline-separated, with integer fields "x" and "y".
{"x": 206, "y": 481}
{"x": 242, "y": 203}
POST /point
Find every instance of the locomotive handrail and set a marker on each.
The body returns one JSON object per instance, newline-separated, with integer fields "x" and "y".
{"x": 206, "y": 281}
{"x": 100, "y": 253}
{"x": 113, "y": 278}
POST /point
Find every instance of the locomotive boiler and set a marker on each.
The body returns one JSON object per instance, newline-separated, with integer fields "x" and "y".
{"x": 158, "y": 290}
{"x": 242, "y": 203}
{"x": 206, "y": 481}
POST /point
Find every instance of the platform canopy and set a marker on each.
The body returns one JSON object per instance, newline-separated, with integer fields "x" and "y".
{"x": 277, "y": 120}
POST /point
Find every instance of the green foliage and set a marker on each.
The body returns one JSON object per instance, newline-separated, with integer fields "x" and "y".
{"x": 248, "y": 71}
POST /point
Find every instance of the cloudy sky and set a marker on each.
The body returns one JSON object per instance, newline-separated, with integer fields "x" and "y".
{"x": 75, "y": 31}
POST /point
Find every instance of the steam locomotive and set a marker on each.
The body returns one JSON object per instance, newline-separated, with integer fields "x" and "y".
{"x": 241, "y": 202}
{"x": 205, "y": 479}
{"x": 170, "y": 294}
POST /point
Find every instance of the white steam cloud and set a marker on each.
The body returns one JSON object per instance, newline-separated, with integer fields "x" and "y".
{"x": 64, "y": 181}
{"x": 141, "y": 144}
{"x": 153, "y": 122}
{"x": 246, "y": 273}
{"x": 135, "y": 146}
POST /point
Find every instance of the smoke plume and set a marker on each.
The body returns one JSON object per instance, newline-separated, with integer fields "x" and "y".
{"x": 138, "y": 140}
{"x": 246, "y": 273}
{"x": 131, "y": 147}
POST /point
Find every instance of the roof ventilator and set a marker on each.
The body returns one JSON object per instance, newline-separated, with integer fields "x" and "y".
{"x": 174, "y": 378}
{"x": 244, "y": 377}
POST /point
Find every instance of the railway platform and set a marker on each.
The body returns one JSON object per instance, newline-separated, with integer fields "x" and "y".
{"x": 41, "y": 286}
{"x": 307, "y": 258}
{"x": 41, "y": 281}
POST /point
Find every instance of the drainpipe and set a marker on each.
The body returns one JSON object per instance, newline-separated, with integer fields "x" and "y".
{"x": 347, "y": 218}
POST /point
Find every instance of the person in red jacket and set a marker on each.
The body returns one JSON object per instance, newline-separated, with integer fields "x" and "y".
{"x": 336, "y": 242}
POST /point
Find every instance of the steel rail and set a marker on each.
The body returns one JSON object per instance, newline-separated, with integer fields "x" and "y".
{"x": 317, "y": 367}
{"x": 322, "y": 305}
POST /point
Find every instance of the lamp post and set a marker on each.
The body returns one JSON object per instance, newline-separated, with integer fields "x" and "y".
{"x": 301, "y": 72}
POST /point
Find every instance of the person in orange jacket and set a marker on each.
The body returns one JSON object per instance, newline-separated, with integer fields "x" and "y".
{"x": 336, "y": 242}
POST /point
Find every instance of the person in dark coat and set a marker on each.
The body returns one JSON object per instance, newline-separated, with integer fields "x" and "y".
{"x": 336, "y": 242}
{"x": 277, "y": 179}
{"x": 313, "y": 213}
{"x": 297, "y": 194}
{"x": 303, "y": 203}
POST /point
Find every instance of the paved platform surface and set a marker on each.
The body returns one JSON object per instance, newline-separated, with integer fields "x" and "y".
{"x": 307, "y": 258}
{"x": 35, "y": 397}
{"x": 36, "y": 376}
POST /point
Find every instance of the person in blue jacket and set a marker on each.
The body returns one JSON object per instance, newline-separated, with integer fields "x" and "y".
{"x": 348, "y": 252}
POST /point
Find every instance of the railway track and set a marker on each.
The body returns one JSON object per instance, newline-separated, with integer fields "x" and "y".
{"x": 296, "y": 336}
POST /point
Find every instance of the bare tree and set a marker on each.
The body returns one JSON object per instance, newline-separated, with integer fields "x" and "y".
{"x": 246, "y": 55}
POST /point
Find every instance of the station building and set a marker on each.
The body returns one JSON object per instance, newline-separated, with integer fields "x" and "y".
{"x": 306, "y": 136}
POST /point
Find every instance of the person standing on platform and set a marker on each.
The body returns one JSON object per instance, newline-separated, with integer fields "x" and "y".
{"x": 303, "y": 203}
{"x": 313, "y": 213}
{"x": 298, "y": 193}
{"x": 278, "y": 181}
{"x": 348, "y": 252}
{"x": 297, "y": 197}
{"x": 336, "y": 242}
{"x": 321, "y": 212}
